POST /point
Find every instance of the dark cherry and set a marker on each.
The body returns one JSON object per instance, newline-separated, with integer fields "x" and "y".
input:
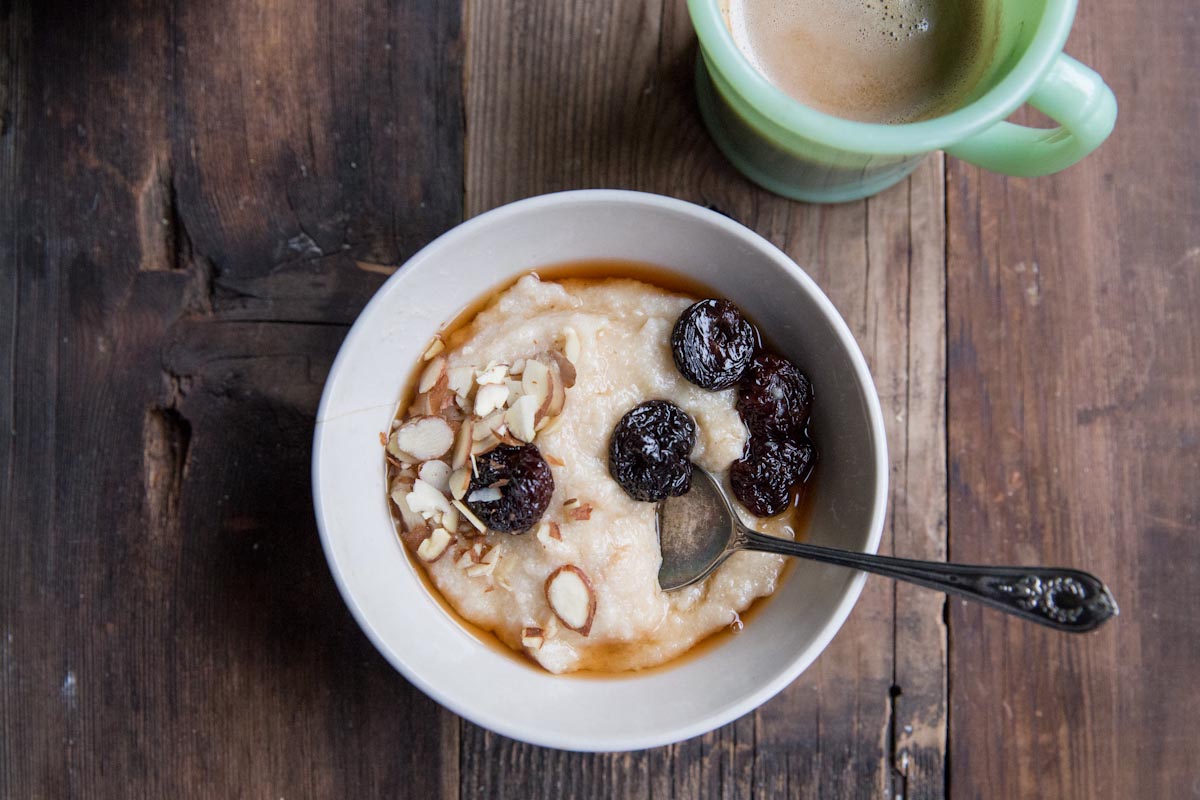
{"x": 713, "y": 344}
{"x": 649, "y": 454}
{"x": 775, "y": 398}
{"x": 525, "y": 483}
{"x": 762, "y": 479}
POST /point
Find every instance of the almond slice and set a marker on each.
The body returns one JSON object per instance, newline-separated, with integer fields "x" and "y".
{"x": 423, "y": 438}
{"x": 533, "y": 638}
{"x": 535, "y": 381}
{"x": 566, "y": 369}
{"x": 435, "y": 545}
{"x": 481, "y": 570}
{"x": 549, "y": 532}
{"x": 462, "y": 445}
{"x": 436, "y": 474}
{"x": 469, "y": 516}
{"x": 461, "y": 380}
{"x": 484, "y": 445}
{"x": 485, "y": 495}
{"x": 489, "y": 398}
{"x": 571, "y": 598}
{"x": 435, "y": 347}
{"x": 521, "y": 417}
{"x": 493, "y": 373}
{"x": 580, "y": 512}
{"x": 415, "y": 536}
{"x": 432, "y": 374}
{"x": 411, "y": 519}
{"x": 571, "y": 345}
{"x": 459, "y": 482}
{"x": 426, "y": 500}
{"x": 450, "y": 519}
{"x": 489, "y": 425}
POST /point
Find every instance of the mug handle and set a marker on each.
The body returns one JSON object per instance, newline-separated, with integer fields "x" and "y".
{"x": 1073, "y": 95}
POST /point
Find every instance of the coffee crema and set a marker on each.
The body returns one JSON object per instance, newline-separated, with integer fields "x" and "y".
{"x": 881, "y": 61}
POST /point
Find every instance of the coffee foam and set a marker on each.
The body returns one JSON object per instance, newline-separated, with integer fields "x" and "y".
{"x": 884, "y": 61}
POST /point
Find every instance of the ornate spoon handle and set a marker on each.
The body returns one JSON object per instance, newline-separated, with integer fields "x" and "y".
{"x": 1065, "y": 599}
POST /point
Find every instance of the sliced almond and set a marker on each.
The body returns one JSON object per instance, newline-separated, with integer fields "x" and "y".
{"x": 533, "y": 638}
{"x": 435, "y": 347}
{"x": 426, "y": 500}
{"x": 489, "y": 398}
{"x": 580, "y": 512}
{"x": 485, "y": 445}
{"x": 433, "y": 547}
{"x": 462, "y": 445}
{"x": 493, "y": 373}
{"x": 432, "y": 374}
{"x": 557, "y": 398}
{"x": 570, "y": 504}
{"x": 566, "y": 369}
{"x": 481, "y": 569}
{"x": 464, "y": 560}
{"x": 436, "y": 474}
{"x": 415, "y": 536}
{"x": 469, "y": 516}
{"x": 489, "y": 425}
{"x": 520, "y": 418}
{"x": 439, "y": 396}
{"x": 411, "y": 519}
{"x": 484, "y": 495}
{"x": 423, "y": 438}
{"x": 461, "y": 380}
{"x": 450, "y": 519}
{"x": 518, "y": 366}
{"x": 571, "y": 598}
{"x": 549, "y": 425}
{"x": 459, "y": 482}
{"x": 535, "y": 381}
{"x": 548, "y": 533}
{"x": 571, "y": 344}
{"x": 553, "y": 460}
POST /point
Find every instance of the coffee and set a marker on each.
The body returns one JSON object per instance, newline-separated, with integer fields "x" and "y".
{"x": 883, "y": 61}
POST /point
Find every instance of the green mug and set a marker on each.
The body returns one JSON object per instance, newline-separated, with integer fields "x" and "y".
{"x": 801, "y": 153}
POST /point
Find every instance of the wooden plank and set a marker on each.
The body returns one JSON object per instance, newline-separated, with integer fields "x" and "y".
{"x": 186, "y": 192}
{"x": 579, "y": 95}
{"x": 1073, "y": 428}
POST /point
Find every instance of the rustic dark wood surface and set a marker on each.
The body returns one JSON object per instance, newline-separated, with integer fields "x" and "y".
{"x": 197, "y": 198}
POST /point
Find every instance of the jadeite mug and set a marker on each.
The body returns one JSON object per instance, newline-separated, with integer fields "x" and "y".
{"x": 801, "y": 153}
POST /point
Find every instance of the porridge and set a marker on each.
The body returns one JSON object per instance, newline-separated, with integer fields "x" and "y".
{"x": 523, "y": 474}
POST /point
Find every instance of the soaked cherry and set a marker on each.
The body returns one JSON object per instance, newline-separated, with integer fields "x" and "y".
{"x": 712, "y": 344}
{"x": 650, "y": 451}
{"x": 525, "y": 484}
{"x": 775, "y": 397}
{"x": 762, "y": 479}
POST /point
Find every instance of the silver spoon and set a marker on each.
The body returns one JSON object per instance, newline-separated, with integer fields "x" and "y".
{"x": 700, "y": 529}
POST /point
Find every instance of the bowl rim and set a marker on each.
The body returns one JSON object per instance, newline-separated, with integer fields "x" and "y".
{"x": 709, "y": 719}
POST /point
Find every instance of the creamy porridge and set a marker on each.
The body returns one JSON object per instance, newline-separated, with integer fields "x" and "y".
{"x": 533, "y": 387}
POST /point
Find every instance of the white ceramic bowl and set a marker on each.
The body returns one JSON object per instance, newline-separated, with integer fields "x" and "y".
{"x": 630, "y": 711}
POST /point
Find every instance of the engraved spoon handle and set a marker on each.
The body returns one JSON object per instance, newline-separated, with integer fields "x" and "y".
{"x": 1064, "y": 599}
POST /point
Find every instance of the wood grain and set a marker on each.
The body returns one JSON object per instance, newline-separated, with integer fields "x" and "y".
{"x": 582, "y": 95}
{"x": 197, "y": 198}
{"x": 1074, "y": 356}
{"x": 186, "y": 191}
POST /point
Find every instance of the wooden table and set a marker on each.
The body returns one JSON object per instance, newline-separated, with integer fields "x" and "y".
{"x": 196, "y": 199}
